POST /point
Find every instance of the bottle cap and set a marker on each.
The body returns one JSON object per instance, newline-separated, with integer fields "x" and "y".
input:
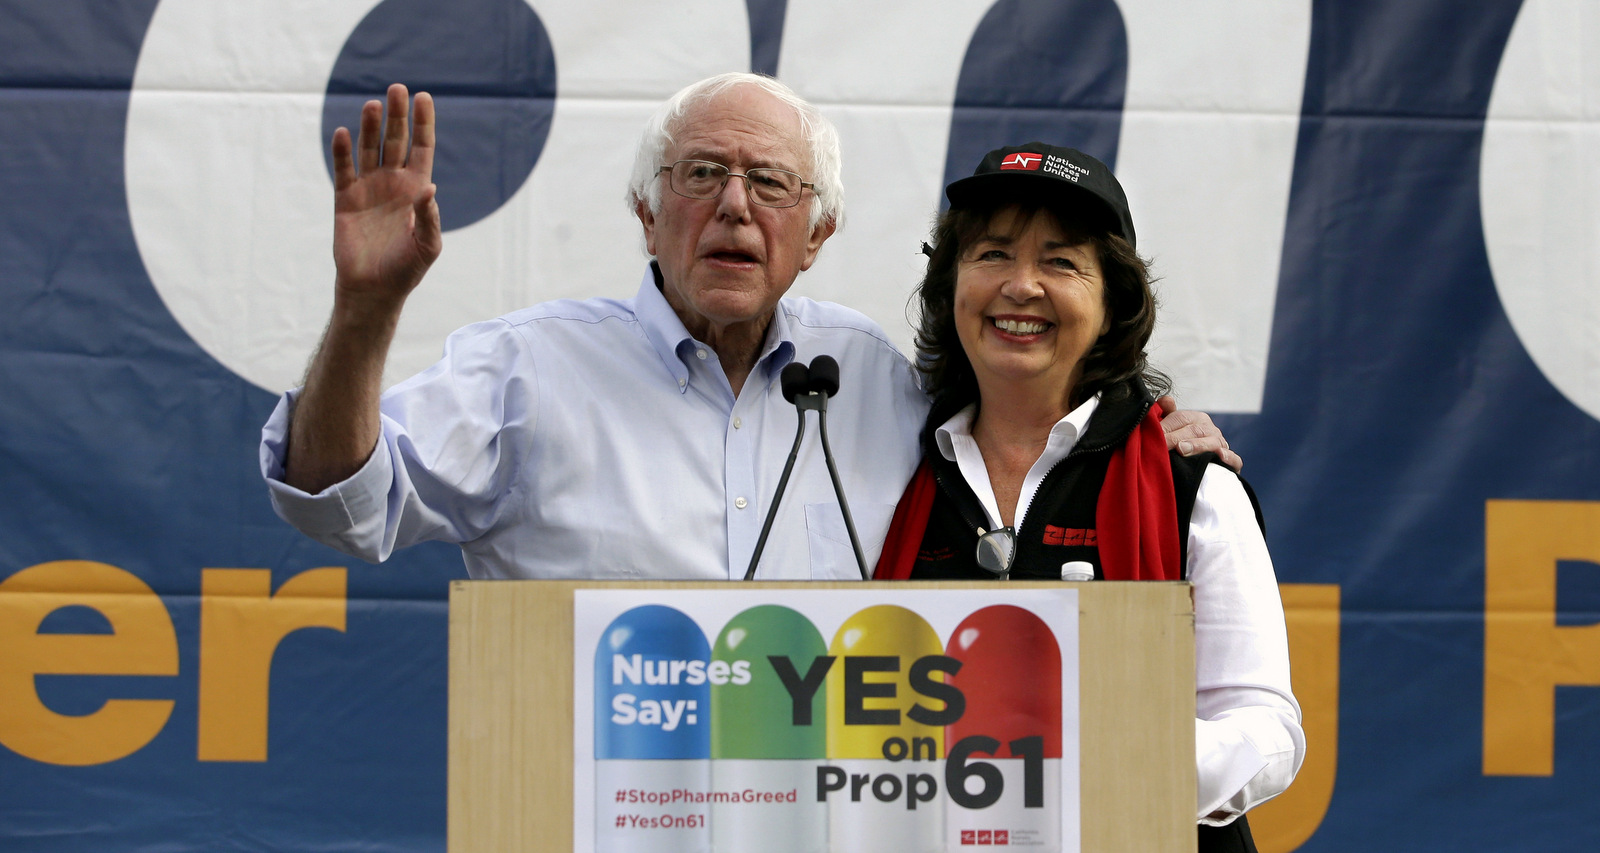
{"x": 1077, "y": 571}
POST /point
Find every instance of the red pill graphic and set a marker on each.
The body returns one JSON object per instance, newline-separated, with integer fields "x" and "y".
{"x": 1004, "y": 754}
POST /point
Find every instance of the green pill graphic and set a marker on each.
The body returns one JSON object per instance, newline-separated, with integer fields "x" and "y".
{"x": 779, "y": 709}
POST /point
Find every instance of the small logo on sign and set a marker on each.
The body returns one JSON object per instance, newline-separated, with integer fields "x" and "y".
{"x": 1022, "y": 160}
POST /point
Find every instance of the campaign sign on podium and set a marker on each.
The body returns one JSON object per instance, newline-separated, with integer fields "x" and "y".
{"x": 818, "y": 718}
{"x": 805, "y": 721}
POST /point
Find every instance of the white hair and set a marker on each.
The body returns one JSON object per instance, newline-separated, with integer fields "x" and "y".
{"x": 822, "y": 141}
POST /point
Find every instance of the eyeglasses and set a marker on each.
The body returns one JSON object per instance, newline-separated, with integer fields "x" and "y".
{"x": 996, "y": 549}
{"x": 705, "y": 179}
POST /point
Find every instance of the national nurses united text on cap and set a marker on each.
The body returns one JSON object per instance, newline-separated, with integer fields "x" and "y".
{"x": 1039, "y": 167}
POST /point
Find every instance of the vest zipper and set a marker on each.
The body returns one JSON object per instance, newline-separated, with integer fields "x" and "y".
{"x": 1078, "y": 449}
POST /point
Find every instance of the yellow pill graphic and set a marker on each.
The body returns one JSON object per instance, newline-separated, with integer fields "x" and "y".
{"x": 875, "y": 684}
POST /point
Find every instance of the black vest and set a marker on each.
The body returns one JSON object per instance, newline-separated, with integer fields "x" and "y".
{"x": 1060, "y": 526}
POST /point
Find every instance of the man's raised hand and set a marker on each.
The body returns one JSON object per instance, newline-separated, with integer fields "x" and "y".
{"x": 386, "y": 229}
{"x": 385, "y": 236}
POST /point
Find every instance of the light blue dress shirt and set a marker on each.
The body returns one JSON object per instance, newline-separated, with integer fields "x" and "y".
{"x": 597, "y": 439}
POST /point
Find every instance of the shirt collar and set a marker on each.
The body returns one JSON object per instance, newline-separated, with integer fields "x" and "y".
{"x": 661, "y": 325}
{"x": 778, "y": 349}
{"x": 960, "y": 424}
{"x": 1063, "y": 436}
{"x": 675, "y": 346}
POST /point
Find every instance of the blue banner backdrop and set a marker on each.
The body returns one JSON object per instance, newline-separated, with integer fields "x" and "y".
{"x": 1400, "y": 401}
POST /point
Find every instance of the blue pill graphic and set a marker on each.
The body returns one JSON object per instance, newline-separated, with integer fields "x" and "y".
{"x": 652, "y": 690}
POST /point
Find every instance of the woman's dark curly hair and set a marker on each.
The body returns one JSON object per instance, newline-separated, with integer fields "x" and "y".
{"x": 1119, "y": 355}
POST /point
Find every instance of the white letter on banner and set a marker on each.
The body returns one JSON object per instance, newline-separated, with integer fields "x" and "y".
{"x": 231, "y": 202}
{"x": 885, "y": 73}
{"x": 625, "y": 668}
{"x": 1539, "y": 192}
{"x": 1207, "y": 153}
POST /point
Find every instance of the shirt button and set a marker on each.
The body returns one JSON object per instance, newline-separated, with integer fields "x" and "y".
{"x": 700, "y": 354}
{"x": 682, "y": 382}
{"x": 737, "y": 423}
{"x": 740, "y": 503}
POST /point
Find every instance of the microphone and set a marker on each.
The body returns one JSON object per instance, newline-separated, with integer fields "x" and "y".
{"x": 795, "y": 381}
{"x": 825, "y": 375}
{"x": 824, "y": 384}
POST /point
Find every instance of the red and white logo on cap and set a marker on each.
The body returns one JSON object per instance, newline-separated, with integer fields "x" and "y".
{"x": 1022, "y": 160}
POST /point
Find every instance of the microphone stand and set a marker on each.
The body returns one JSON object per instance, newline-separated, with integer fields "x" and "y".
{"x": 824, "y": 384}
{"x": 795, "y": 378}
{"x": 809, "y": 389}
{"x": 833, "y": 472}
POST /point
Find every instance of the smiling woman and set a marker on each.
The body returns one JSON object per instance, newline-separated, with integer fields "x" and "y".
{"x": 1037, "y": 240}
{"x": 1029, "y": 304}
{"x": 1042, "y": 453}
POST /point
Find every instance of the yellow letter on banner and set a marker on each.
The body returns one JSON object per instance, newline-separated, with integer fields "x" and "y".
{"x": 1525, "y": 654}
{"x": 141, "y": 643}
{"x": 241, "y": 624}
{"x": 1311, "y": 612}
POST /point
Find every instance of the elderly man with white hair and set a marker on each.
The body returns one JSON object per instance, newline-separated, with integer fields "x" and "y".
{"x": 614, "y": 439}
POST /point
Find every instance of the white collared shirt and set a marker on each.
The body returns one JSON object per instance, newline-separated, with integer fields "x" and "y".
{"x": 1248, "y": 739}
{"x": 957, "y": 445}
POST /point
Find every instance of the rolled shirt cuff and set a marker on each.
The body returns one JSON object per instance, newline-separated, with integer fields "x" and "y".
{"x": 337, "y": 511}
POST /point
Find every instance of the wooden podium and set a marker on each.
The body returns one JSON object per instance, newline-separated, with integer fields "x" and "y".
{"x": 511, "y": 711}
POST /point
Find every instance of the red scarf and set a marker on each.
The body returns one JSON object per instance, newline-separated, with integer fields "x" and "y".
{"x": 1136, "y": 516}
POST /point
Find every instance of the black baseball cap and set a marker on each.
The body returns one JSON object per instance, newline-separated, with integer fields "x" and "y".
{"x": 1038, "y": 167}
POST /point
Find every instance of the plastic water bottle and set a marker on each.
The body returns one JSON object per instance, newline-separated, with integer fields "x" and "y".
{"x": 1077, "y": 570}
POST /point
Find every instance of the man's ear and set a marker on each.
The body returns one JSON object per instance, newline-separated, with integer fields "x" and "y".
{"x": 819, "y": 235}
{"x": 641, "y": 209}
